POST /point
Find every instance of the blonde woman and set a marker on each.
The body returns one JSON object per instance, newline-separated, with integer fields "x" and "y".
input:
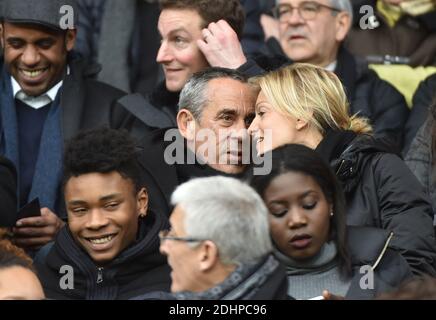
{"x": 307, "y": 105}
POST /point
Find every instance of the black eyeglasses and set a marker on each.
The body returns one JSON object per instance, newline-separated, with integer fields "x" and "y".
{"x": 307, "y": 10}
{"x": 166, "y": 235}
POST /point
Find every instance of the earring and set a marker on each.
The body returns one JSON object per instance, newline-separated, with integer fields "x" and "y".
{"x": 331, "y": 214}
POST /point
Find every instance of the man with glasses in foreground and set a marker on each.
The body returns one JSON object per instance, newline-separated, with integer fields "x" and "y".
{"x": 219, "y": 247}
{"x": 314, "y": 32}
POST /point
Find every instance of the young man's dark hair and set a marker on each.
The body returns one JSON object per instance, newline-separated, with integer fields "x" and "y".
{"x": 212, "y": 11}
{"x": 102, "y": 150}
{"x": 111, "y": 240}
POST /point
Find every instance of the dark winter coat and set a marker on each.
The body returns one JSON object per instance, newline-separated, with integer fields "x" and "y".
{"x": 382, "y": 192}
{"x": 421, "y": 156}
{"x": 424, "y": 96}
{"x": 371, "y": 247}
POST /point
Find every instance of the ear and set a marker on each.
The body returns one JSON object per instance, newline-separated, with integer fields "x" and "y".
{"x": 208, "y": 256}
{"x": 301, "y": 124}
{"x": 70, "y": 39}
{"x": 343, "y": 25}
{"x": 186, "y": 124}
{"x": 142, "y": 202}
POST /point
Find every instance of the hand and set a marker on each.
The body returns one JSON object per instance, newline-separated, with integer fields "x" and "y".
{"x": 221, "y": 46}
{"x": 329, "y": 296}
{"x": 270, "y": 27}
{"x": 33, "y": 233}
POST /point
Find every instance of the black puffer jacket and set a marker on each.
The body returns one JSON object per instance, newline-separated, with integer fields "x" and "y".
{"x": 424, "y": 96}
{"x": 370, "y": 247}
{"x": 381, "y": 191}
{"x": 421, "y": 156}
{"x": 137, "y": 270}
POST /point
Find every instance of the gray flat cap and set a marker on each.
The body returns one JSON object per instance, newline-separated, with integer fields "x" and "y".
{"x": 49, "y": 13}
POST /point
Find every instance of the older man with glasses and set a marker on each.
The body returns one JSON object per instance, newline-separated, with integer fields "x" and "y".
{"x": 219, "y": 247}
{"x": 313, "y": 32}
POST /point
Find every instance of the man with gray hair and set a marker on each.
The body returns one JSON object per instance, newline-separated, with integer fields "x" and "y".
{"x": 219, "y": 247}
{"x": 314, "y": 32}
{"x": 216, "y": 107}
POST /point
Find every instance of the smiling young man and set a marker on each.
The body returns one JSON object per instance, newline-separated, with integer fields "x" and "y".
{"x": 47, "y": 96}
{"x": 111, "y": 240}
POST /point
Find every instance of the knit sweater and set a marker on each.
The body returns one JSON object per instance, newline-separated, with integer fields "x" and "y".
{"x": 308, "y": 279}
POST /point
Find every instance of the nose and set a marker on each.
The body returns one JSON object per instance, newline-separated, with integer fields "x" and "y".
{"x": 296, "y": 219}
{"x": 164, "y": 54}
{"x": 30, "y": 56}
{"x": 295, "y": 18}
{"x": 96, "y": 220}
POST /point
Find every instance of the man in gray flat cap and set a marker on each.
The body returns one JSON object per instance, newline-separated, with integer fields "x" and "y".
{"x": 46, "y": 96}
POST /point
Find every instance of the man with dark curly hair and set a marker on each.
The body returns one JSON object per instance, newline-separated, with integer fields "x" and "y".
{"x": 110, "y": 245}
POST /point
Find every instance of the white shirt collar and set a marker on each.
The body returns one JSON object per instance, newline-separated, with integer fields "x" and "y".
{"x": 40, "y": 101}
{"x": 332, "y": 66}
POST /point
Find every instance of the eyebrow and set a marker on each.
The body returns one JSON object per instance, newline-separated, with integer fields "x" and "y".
{"x": 102, "y": 199}
{"x": 302, "y": 196}
{"x": 181, "y": 29}
{"x": 14, "y": 39}
{"x": 259, "y": 105}
{"x": 227, "y": 111}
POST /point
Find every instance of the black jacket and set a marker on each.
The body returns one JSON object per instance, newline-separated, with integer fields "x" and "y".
{"x": 370, "y": 247}
{"x": 421, "y": 156}
{"x": 137, "y": 270}
{"x": 8, "y": 193}
{"x": 142, "y": 115}
{"x": 369, "y": 95}
{"x": 424, "y": 96}
{"x": 382, "y": 192}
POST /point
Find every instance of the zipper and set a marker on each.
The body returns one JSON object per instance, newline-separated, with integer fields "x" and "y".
{"x": 100, "y": 275}
{"x": 383, "y": 251}
{"x": 340, "y": 167}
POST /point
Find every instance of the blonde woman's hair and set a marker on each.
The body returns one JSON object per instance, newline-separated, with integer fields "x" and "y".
{"x": 312, "y": 94}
